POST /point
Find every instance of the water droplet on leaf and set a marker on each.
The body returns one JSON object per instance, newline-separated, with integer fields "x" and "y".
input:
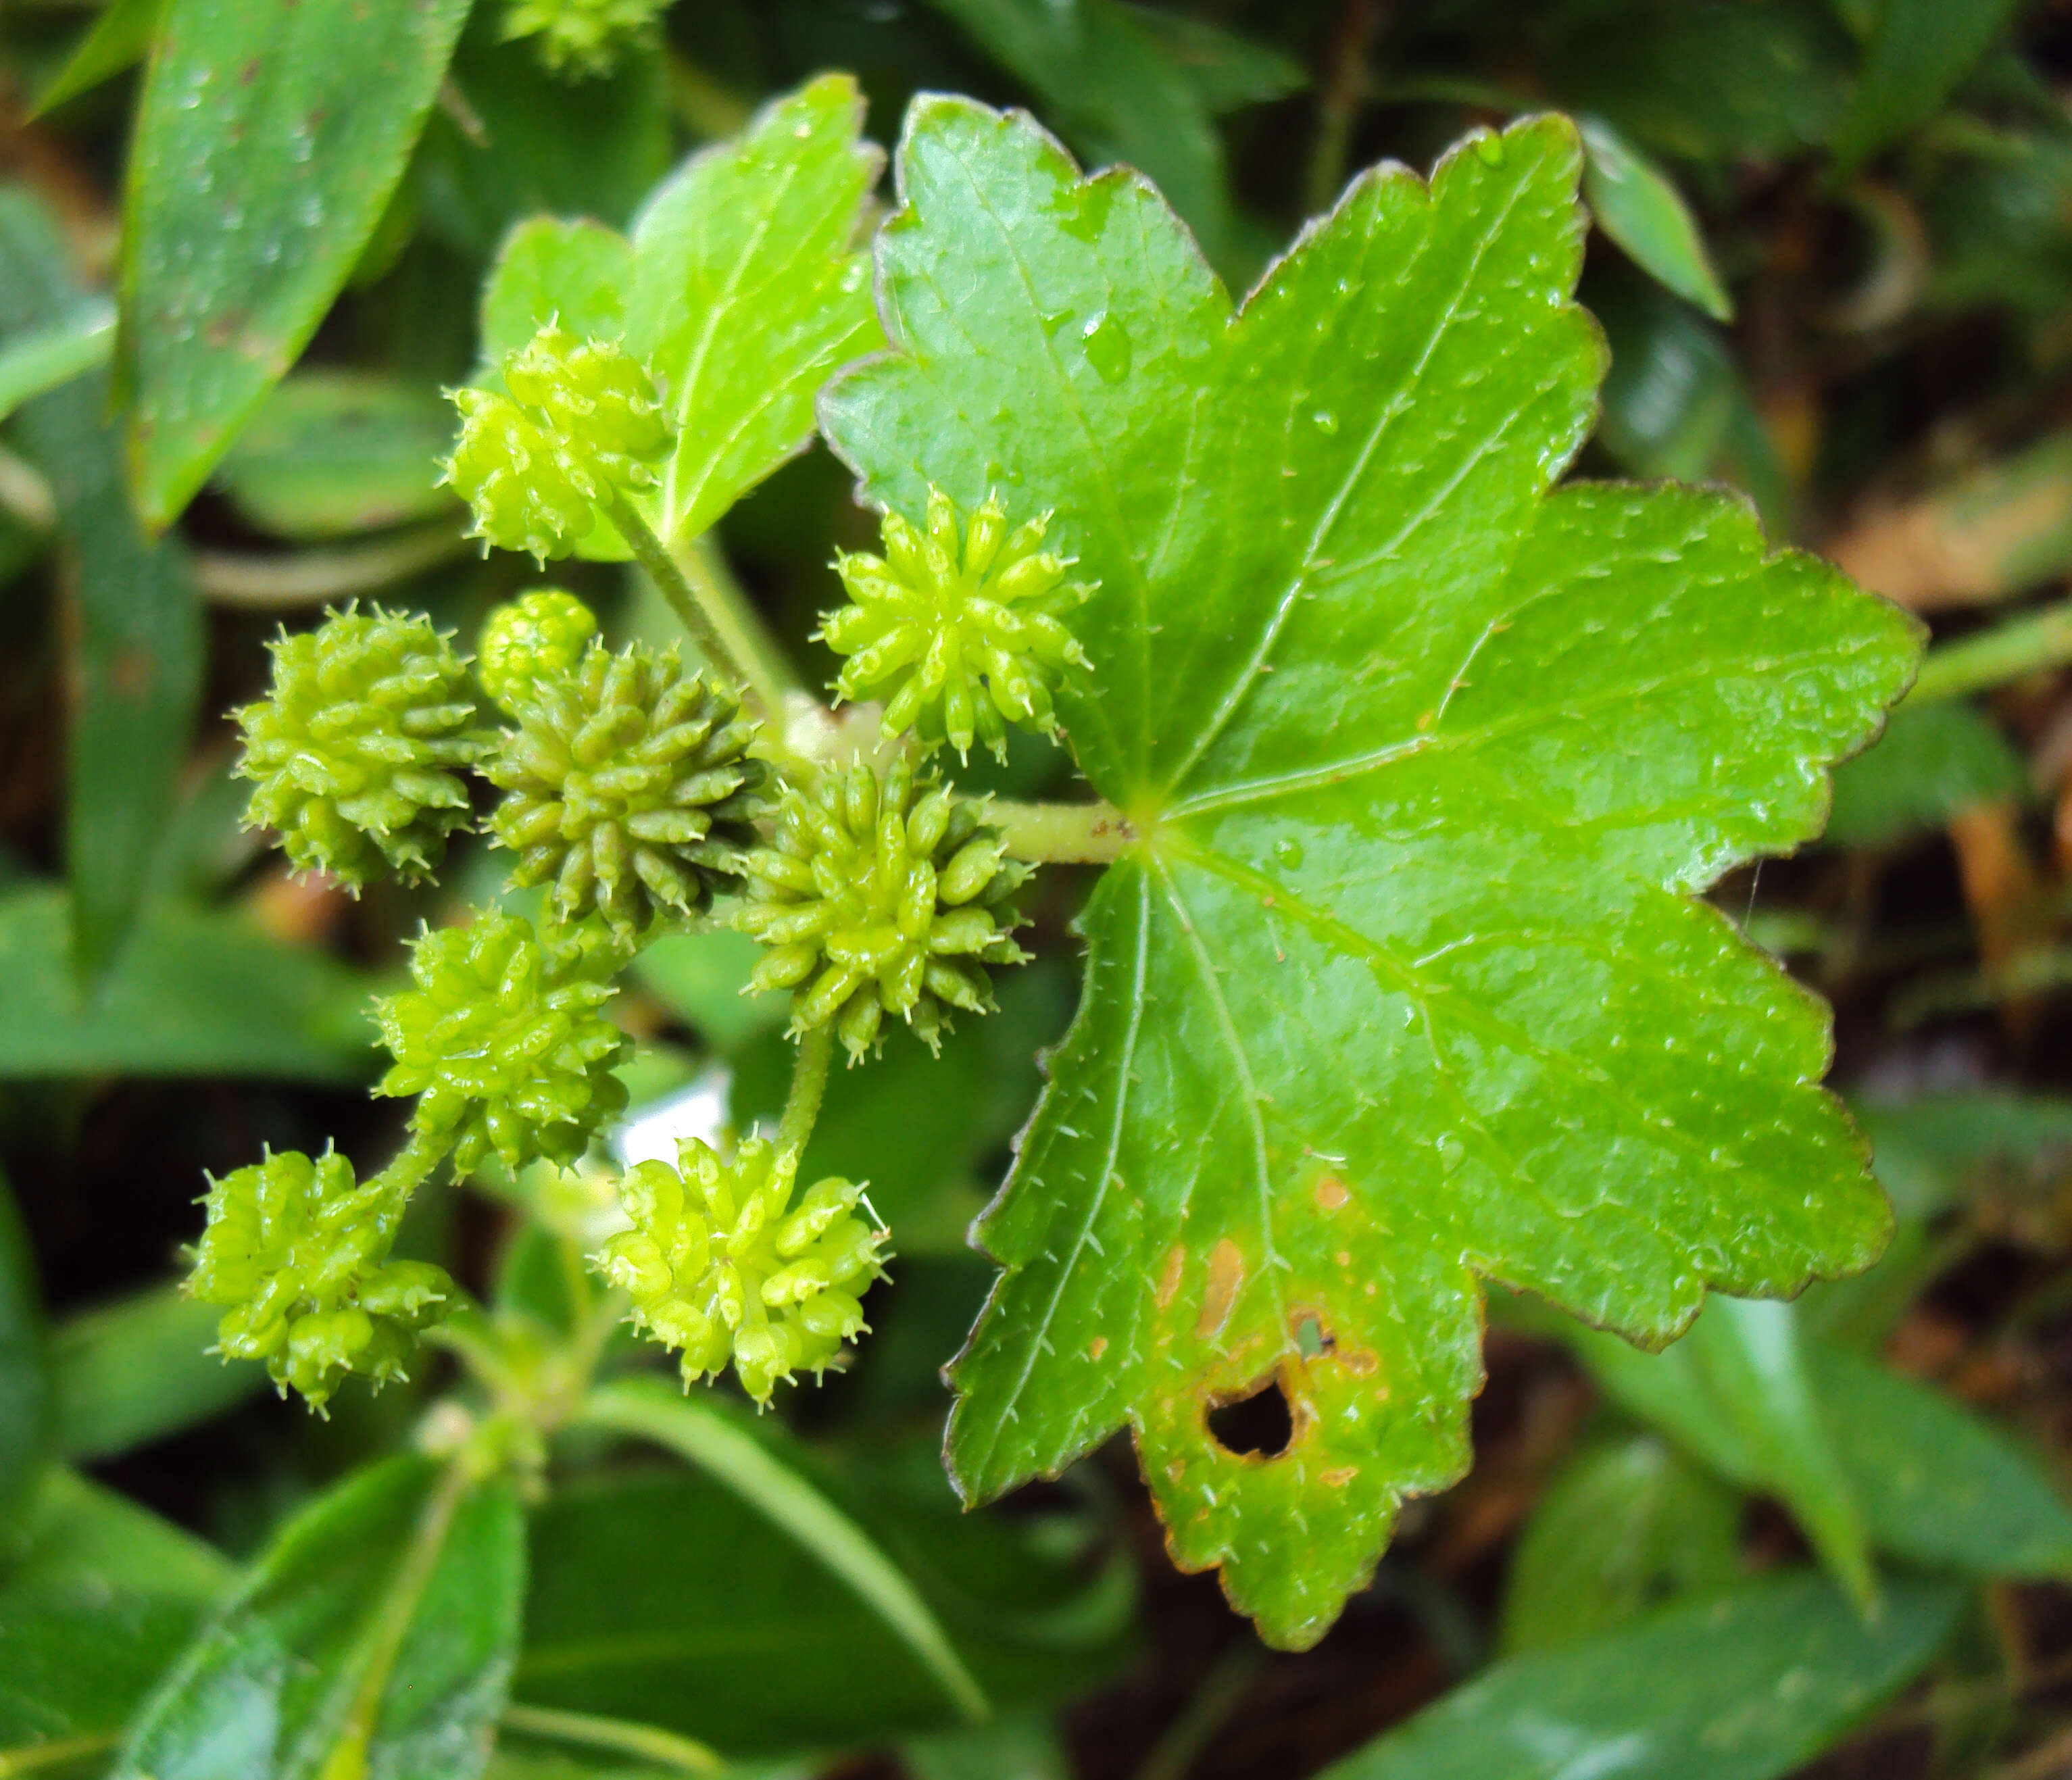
{"x": 1289, "y": 852}
{"x": 1107, "y": 345}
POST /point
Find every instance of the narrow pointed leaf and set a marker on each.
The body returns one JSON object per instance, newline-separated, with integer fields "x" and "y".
{"x": 25, "y": 1377}
{"x": 269, "y": 138}
{"x": 1638, "y": 206}
{"x": 375, "y": 1635}
{"x": 1404, "y": 985}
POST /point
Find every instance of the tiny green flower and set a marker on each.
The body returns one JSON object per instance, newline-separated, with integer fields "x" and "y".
{"x": 580, "y": 425}
{"x": 630, "y": 788}
{"x": 958, "y": 628}
{"x": 877, "y": 897}
{"x": 504, "y": 1044}
{"x": 297, "y": 1255}
{"x": 720, "y": 1265}
{"x": 537, "y": 636}
{"x": 357, "y": 749}
{"x": 582, "y": 38}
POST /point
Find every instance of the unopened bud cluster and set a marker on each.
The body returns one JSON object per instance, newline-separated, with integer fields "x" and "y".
{"x": 628, "y": 788}
{"x": 357, "y": 751}
{"x": 581, "y": 427}
{"x": 721, "y": 1265}
{"x": 296, "y": 1253}
{"x": 504, "y": 1044}
{"x": 958, "y": 626}
{"x": 582, "y": 38}
{"x": 540, "y": 636}
{"x": 878, "y": 896}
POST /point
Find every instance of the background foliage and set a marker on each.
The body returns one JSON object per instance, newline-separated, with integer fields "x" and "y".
{"x": 1833, "y": 262}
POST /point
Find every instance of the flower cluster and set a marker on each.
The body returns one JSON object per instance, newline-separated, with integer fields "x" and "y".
{"x": 721, "y": 1265}
{"x": 356, "y": 750}
{"x": 881, "y": 896}
{"x": 296, "y": 1254}
{"x": 580, "y": 429}
{"x": 539, "y": 636}
{"x": 504, "y": 1044}
{"x": 628, "y": 788}
{"x": 957, "y": 627}
{"x": 581, "y": 39}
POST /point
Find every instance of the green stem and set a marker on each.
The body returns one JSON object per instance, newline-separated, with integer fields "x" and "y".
{"x": 691, "y": 611}
{"x": 733, "y": 615}
{"x": 1087, "y": 834}
{"x": 61, "y": 1753}
{"x": 411, "y": 1165}
{"x": 809, "y": 1082}
{"x": 399, "y": 1606}
{"x": 647, "y": 1742}
{"x": 2028, "y": 645}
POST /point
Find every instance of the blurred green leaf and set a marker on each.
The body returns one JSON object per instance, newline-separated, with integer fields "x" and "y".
{"x": 75, "y": 1663}
{"x": 1624, "y": 1528}
{"x": 335, "y": 452}
{"x": 754, "y": 1462}
{"x": 1918, "y": 52}
{"x": 134, "y": 640}
{"x": 25, "y": 1381}
{"x": 1940, "y": 1486}
{"x": 1227, "y": 71}
{"x": 666, "y": 1598}
{"x": 85, "y": 1537}
{"x": 1705, "y": 80}
{"x": 748, "y": 292}
{"x": 1115, "y": 86}
{"x": 515, "y": 142}
{"x": 268, "y": 138}
{"x": 198, "y": 993}
{"x": 1638, "y": 206}
{"x": 577, "y": 272}
{"x": 117, "y": 40}
{"x": 1008, "y": 1748}
{"x": 1929, "y": 1150}
{"x": 1745, "y": 1687}
{"x": 700, "y": 977}
{"x": 375, "y": 1636}
{"x": 1734, "y": 1391}
{"x": 136, "y": 1370}
{"x": 34, "y": 363}
{"x": 1933, "y": 761}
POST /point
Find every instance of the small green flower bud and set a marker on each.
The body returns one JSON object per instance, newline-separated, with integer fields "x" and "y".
{"x": 877, "y": 897}
{"x": 581, "y": 39}
{"x": 536, "y": 637}
{"x": 582, "y": 423}
{"x": 630, "y": 788}
{"x": 358, "y": 747}
{"x": 297, "y": 1255}
{"x": 958, "y": 628}
{"x": 504, "y": 1044}
{"x": 720, "y": 1265}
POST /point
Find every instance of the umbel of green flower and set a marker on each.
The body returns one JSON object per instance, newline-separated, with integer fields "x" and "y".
{"x": 881, "y": 896}
{"x": 296, "y": 1256}
{"x": 581, "y": 39}
{"x": 720, "y": 1264}
{"x": 357, "y": 748}
{"x": 630, "y": 788}
{"x": 580, "y": 428}
{"x": 536, "y": 637}
{"x": 505, "y": 1043}
{"x": 957, "y": 627}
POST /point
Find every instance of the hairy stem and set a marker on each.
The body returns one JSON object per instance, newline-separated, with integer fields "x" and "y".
{"x": 2029, "y": 644}
{"x": 801, "y": 1105}
{"x": 715, "y": 643}
{"x": 1087, "y": 834}
{"x": 768, "y": 669}
{"x": 649, "y": 1742}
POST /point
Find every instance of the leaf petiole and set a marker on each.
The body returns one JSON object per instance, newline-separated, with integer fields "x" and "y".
{"x": 2028, "y": 645}
{"x": 809, "y": 1082}
{"x": 1079, "y": 834}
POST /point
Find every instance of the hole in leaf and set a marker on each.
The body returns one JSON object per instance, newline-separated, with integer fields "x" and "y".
{"x": 1260, "y": 1423}
{"x": 1313, "y": 1338}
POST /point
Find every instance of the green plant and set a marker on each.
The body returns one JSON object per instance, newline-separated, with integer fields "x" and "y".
{"x": 1285, "y": 671}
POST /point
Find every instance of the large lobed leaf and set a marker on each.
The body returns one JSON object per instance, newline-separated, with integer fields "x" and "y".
{"x": 1402, "y": 985}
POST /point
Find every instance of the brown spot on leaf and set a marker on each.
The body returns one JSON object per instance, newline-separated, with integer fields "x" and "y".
{"x": 130, "y": 671}
{"x": 1100, "y": 1347}
{"x": 1339, "y": 1475}
{"x": 1226, "y": 1277}
{"x": 1331, "y": 1192}
{"x": 1168, "y": 1281}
